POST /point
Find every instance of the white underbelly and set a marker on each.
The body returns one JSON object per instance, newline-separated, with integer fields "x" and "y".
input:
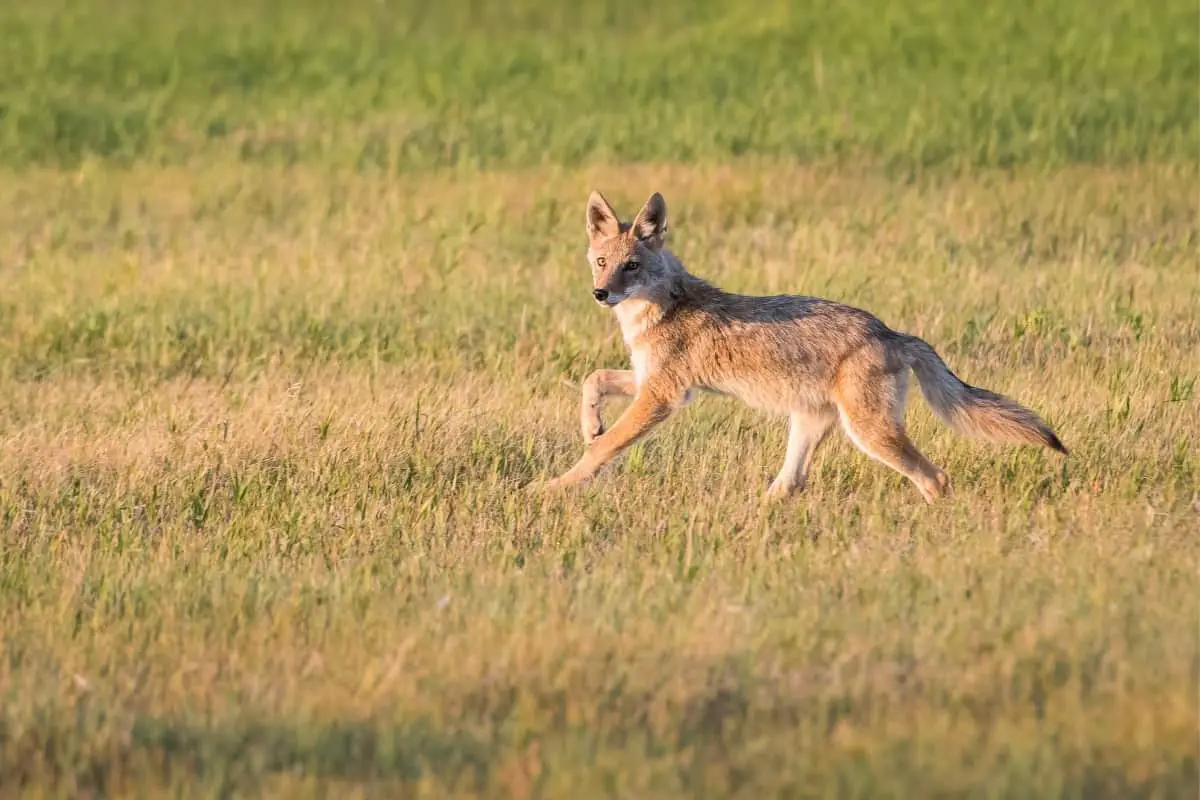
{"x": 774, "y": 396}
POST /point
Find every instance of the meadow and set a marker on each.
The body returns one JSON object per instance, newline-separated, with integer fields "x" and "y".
{"x": 293, "y": 306}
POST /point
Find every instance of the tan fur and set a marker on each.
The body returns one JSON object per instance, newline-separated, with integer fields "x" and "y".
{"x": 815, "y": 360}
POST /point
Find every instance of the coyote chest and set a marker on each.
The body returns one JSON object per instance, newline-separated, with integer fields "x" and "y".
{"x": 635, "y": 317}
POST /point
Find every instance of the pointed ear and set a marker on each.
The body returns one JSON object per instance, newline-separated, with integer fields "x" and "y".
{"x": 602, "y": 221}
{"x": 651, "y": 223}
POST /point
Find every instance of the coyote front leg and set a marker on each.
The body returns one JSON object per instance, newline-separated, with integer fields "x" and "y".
{"x": 601, "y": 384}
{"x": 643, "y": 414}
{"x": 806, "y": 431}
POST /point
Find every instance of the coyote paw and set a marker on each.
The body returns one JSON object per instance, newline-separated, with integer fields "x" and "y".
{"x": 778, "y": 490}
{"x": 935, "y": 489}
{"x": 539, "y": 486}
{"x": 551, "y": 485}
{"x": 592, "y": 431}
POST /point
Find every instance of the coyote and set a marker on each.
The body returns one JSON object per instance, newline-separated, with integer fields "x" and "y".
{"x": 816, "y": 360}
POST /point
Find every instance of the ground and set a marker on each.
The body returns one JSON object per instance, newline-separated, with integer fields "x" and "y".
{"x": 292, "y": 315}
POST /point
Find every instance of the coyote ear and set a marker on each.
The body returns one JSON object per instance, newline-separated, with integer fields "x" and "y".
{"x": 651, "y": 223}
{"x": 602, "y": 221}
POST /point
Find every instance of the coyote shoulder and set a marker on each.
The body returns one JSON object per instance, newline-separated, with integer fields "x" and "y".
{"x": 815, "y": 360}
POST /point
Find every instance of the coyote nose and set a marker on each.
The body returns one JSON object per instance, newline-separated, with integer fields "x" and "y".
{"x": 600, "y": 294}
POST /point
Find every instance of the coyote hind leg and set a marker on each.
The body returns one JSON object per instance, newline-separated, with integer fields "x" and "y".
{"x": 871, "y": 407}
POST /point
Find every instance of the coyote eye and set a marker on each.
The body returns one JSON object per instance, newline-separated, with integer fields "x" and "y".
{"x": 630, "y": 266}
{"x": 600, "y": 262}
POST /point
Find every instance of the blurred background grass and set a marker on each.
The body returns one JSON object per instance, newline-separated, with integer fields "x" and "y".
{"x": 406, "y": 85}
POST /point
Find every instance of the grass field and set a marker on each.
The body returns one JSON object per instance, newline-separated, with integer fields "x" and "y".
{"x": 294, "y": 305}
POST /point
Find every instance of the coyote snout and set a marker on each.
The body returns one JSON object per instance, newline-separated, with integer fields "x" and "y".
{"x": 817, "y": 361}
{"x": 606, "y": 298}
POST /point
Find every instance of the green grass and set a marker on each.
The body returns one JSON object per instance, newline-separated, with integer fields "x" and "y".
{"x": 408, "y": 85}
{"x": 278, "y": 357}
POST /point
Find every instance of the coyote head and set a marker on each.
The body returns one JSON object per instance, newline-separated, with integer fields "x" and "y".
{"x": 626, "y": 258}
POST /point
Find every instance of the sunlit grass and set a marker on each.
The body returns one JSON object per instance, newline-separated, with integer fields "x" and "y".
{"x": 262, "y": 442}
{"x": 293, "y": 305}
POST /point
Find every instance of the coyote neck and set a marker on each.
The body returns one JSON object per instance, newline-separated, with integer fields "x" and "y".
{"x": 638, "y": 315}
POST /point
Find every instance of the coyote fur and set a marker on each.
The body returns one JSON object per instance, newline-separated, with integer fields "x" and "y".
{"x": 815, "y": 360}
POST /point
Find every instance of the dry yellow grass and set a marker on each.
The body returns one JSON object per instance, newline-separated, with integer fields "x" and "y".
{"x": 263, "y": 434}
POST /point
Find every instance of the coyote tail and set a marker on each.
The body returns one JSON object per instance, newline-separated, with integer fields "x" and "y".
{"x": 971, "y": 411}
